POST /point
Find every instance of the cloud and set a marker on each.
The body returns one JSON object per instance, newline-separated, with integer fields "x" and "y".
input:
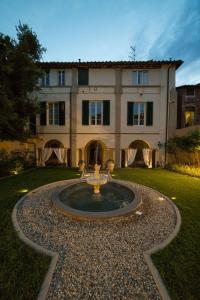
{"x": 181, "y": 39}
{"x": 189, "y": 74}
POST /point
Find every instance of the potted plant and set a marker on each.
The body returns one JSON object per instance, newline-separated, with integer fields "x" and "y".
{"x": 110, "y": 165}
{"x": 81, "y": 165}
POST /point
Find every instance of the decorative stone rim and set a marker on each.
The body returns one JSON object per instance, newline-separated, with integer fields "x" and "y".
{"x": 97, "y": 216}
{"x": 147, "y": 254}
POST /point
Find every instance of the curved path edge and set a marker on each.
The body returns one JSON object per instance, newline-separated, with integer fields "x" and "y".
{"x": 54, "y": 255}
{"x": 147, "y": 254}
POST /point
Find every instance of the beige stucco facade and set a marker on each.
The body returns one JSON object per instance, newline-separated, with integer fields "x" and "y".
{"x": 113, "y": 83}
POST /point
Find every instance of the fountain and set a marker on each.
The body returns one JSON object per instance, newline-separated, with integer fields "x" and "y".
{"x": 97, "y": 196}
{"x": 97, "y": 179}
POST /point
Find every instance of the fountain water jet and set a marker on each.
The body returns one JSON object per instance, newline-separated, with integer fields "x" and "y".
{"x": 97, "y": 179}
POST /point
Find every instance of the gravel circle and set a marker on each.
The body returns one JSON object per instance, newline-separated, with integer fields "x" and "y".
{"x": 98, "y": 260}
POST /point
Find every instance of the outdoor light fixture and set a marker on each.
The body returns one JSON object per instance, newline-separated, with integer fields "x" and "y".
{"x": 159, "y": 145}
{"x": 23, "y": 190}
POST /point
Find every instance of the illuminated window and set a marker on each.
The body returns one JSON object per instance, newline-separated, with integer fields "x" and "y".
{"x": 138, "y": 114}
{"x": 53, "y": 113}
{"x": 96, "y": 112}
{"x": 189, "y": 117}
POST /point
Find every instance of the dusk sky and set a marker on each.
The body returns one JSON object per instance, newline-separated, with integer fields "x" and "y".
{"x": 105, "y": 29}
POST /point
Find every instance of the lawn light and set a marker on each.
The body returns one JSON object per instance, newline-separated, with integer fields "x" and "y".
{"x": 23, "y": 190}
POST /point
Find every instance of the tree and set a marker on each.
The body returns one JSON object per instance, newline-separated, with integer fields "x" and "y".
{"x": 19, "y": 75}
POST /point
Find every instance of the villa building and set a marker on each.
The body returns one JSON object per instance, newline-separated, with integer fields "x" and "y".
{"x": 125, "y": 109}
{"x": 96, "y": 111}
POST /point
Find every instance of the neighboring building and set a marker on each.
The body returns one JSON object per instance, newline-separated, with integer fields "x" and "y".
{"x": 188, "y": 105}
{"x": 125, "y": 109}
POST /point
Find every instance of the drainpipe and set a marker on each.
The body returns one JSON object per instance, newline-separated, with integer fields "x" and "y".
{"x": 167, "y": 114}
{"x": 70, "y": 127}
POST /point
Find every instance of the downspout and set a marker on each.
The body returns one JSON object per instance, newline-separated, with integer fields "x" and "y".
{"x": 167, "y": 115}
{"x": 70, "y": 126}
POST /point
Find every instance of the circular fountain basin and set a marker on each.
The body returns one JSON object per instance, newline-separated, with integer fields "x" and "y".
{"x": 92, "y": 180}
{"x": 80, "y": 202}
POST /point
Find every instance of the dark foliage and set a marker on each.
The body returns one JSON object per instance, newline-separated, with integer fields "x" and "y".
{"x": 189, "y": 143}
{"x": 19, "y": 75}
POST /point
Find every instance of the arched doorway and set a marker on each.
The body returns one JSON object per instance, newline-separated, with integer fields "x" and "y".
{"x": 94, "y": 153}
{"x": 139, "y": 148}
{"x": 53, "y": 159}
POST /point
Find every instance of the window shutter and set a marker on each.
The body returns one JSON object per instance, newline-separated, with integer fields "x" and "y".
{"x": 85, "y": 112}
{"x": 130, "y": 107}
{"x": 43, "y": 116}
{"x": 43, "y": 80}
{"x": 59, "y": 78}
{"x": 83, "y": 77}
{"x": 135, "y": 77}
{"x": 47, "y": 78}
{"x": 63, "y": 78}
{"x": 61, "y": 113}
{"x": 106, "y": 112}
{"x": 149, "y": 118}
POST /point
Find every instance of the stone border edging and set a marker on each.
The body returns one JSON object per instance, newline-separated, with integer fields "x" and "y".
{"x": 147, "y": 254}
{"x": 49, "y": 274}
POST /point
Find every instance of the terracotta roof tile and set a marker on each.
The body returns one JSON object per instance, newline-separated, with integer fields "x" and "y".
{"x": 110, "y": 64}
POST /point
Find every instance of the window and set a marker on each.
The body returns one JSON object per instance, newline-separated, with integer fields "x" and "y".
{"x": 83, "y": 77}
{"x": 61, "y": 78}
{"x": 189, "y": 116}
{"x": 138, "y": 114}
{"x": 140, "y": 78}
{"x": 45, "y": 78}
{"x": 95, "y": 112}
{"x": 54, "y": 113}
{"x": 190, "y": 91}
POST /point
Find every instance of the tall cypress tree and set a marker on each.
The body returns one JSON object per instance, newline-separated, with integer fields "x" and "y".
{"x": 19, "y": 75}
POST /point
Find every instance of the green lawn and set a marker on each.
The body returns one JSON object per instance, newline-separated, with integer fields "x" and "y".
{"x": 22, "y": 270}
{"x": 179, "y": 263}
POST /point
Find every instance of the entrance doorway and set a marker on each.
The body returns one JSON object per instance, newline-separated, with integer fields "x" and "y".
{"x": 94, "y": 154}
{"x": 139, "y": 156}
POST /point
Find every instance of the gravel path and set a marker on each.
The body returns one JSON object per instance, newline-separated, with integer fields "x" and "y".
{"x": 100, "y": 260}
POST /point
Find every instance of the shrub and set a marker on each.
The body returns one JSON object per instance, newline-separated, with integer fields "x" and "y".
{"x": 184, "y": 169}
{"x": 189, "y": 143}
{"x": 11, "y": 166}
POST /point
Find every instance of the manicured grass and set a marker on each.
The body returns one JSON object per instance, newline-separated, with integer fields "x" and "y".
{"x": 179, "y": 263}
{"x": 22, "y": 270}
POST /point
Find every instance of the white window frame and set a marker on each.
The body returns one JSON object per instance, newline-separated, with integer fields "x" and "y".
{"x": 53, "y": 103}
{"x": 60, "y": 74}
{"x": 137, "y": 77}
{"x": 45, "y": 76}
{"x": 139, "y": 103}
{"x": 90, "y": 114}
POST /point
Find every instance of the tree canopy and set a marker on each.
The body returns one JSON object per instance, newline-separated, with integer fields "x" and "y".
{"x": 19, "y": 75}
